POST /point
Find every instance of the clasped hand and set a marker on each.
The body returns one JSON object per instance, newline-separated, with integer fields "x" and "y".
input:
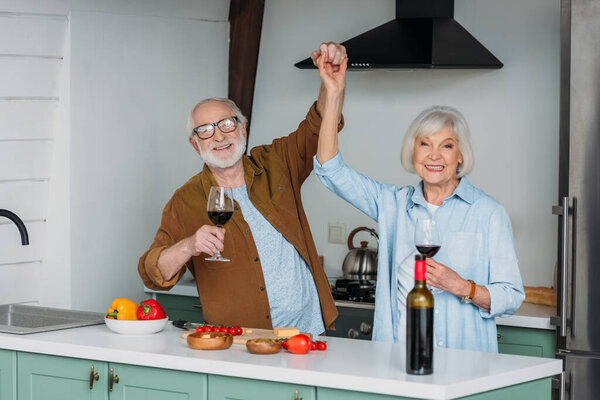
{"x": 331, "y": 59}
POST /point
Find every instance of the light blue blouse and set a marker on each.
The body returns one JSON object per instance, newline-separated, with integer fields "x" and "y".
{"x": 477, "y": 243}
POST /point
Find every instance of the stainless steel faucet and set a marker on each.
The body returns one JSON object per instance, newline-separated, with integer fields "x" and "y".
{"x": 19, "y": 223}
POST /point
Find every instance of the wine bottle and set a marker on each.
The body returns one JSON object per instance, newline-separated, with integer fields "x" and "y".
{"x": 419, "y": 324}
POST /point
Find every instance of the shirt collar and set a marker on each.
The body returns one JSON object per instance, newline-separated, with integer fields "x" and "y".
{"x": 464, "y": 191}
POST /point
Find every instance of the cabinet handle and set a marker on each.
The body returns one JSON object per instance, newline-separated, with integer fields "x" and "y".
{"x": 499, "y": 336}
{"x": 112, "y": 379}
{"x": 296, "y": 396}
{"x": 93, "y": 377}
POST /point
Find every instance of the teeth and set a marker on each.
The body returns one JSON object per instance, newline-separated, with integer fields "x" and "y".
{"x": 223, "y": 147}
{"x": 435, "y": 167}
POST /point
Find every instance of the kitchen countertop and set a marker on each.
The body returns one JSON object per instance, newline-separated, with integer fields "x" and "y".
{"x": 528, "y": 316}
{"x": 358, "y": 365}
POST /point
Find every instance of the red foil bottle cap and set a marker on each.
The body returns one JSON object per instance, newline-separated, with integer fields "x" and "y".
{"x": 420, "y": 268}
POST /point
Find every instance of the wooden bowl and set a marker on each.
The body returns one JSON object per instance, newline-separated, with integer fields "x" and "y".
{"x": 263, "y": 346}
{"x": 209, "y": 340}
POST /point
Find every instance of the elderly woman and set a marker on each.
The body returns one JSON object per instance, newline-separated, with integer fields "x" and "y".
{"x": 476, "y": 267}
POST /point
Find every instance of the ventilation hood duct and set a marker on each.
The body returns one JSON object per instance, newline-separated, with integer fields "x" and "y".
{"x": 424, "y": 35}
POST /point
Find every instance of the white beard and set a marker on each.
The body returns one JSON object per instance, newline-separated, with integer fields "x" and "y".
{"x": 213, "y": 160}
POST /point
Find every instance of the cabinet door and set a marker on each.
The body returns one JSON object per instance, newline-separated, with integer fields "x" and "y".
{"x": 145, "y": 383}
{"x": 43, "y": 377}
{"x": 526, "y": 341}
{"x": 187, "y": 308}
{"x": 8, "y": 375}
{"x": 229, "y": 388}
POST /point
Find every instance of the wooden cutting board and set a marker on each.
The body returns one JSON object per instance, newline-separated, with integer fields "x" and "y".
{"x": 250, "y": 333}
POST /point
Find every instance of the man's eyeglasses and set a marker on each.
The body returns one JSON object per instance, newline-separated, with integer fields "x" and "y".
{"x": 225, "y": 125}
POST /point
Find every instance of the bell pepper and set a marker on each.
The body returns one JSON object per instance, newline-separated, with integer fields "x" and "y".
{"x": 150, "y": 309}
{"x": 122, "y": 309}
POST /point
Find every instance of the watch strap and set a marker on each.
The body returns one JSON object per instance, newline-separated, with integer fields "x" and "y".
{"x": 469, "y": 298}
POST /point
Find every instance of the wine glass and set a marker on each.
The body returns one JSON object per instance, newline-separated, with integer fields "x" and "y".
{"x": 427, "y": 241}
{"x": 220, "y": 210}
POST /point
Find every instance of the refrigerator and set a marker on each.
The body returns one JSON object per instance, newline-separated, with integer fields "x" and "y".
{"x": 578, "y": 208}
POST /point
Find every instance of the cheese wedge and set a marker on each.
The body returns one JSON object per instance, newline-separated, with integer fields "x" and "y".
{"x": 286, "y": 331}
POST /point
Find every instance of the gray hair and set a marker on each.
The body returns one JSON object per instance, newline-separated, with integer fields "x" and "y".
{"x": 234, "y": 108}
{"x": 428, "y": 123}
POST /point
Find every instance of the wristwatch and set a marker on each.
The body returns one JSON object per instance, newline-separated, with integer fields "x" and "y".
{"x": 469, "y": 299}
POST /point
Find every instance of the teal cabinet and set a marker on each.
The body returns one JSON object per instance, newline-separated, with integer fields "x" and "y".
{"x": 228, "y": 388}
{"x": 8, "y": 375}
{"x": 526, "y": 341}
{"x": 534, "y": 390}
{"x": 43, "y": 377}
{"x": 187, "y": 308}
{"x": 145, "y": 383}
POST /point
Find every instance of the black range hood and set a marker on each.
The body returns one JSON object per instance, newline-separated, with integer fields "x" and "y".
{"x": 424, "y": 35}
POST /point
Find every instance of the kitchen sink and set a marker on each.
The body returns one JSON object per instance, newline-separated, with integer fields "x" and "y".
{"x": 23, "y": 319}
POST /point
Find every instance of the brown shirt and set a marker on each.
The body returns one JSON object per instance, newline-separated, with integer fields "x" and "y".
{"x": 234, "y": 292}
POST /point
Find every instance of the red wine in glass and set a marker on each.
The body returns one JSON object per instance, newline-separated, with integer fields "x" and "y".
{"x": 428, "y": 250}
{"x": 219, "y": 207}
{"x": 220, "y": 218}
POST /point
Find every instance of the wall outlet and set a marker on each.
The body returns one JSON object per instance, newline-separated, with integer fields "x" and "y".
{"x": 337, "y": 232}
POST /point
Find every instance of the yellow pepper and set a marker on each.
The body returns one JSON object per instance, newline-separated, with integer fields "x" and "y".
{"x": 122, "y": 309}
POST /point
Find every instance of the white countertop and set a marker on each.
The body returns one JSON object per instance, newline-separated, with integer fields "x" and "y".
{"x": 347, "y": 364}
{"x": 528, "y": 316}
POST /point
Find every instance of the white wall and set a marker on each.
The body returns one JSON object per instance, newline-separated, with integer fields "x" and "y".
{"x": 134, "y": 80}
{"x": 86, "y": 109}
{"x": 512, "y": 112}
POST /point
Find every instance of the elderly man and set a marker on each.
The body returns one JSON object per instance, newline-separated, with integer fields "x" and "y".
{"x": 274, "y": 277}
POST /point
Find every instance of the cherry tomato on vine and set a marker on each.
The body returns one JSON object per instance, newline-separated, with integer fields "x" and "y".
{"x": 200, "y": 329}
{"x": 313, "y": 346}
{"x": 322, "y": 346}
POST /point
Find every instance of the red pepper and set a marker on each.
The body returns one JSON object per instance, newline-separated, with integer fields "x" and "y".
{"x": 150, "y": 309}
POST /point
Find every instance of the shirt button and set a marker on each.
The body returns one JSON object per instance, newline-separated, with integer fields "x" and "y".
{"x": 437, "y": 310}
{"x": 268, "y": 316}
{"x": 280, "y": 188}
{"x": 262, "y": 288}
{"x": 236, "y": 208}
{"x": 255, "y": 258}
{"x": 440, "y": 343}
{"x": 247, "y": 230}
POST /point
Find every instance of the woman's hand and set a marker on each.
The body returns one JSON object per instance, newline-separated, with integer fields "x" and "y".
{"x": 442, "y": 277}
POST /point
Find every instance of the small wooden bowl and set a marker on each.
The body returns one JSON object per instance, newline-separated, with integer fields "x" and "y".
{"x": 209, "y": 340}
{"x": 263, "y": 346}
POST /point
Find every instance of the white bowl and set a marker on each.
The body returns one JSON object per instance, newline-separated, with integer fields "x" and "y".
{"x": 138, "y": 327}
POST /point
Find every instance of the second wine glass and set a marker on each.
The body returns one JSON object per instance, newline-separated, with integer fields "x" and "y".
{"x": 220, "y": 210}
{"x": 428, "y": 241}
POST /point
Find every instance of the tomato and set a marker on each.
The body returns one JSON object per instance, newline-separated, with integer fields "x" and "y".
{"x": 298, "y": 344}
{"x": 322, "y": 346}
{"x": 284, "y": 344}
{"x": 238, "y": 330}
{"x": 208, "y": 329}
{"x": 313, "y": 346}
{"x": 200, "y": 329}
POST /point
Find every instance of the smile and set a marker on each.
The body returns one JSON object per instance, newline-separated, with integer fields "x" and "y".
{"x": 222, "y": 147}
{"x": 434, "y": 168}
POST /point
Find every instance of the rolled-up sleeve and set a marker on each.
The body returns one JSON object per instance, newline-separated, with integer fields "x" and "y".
{"x": 505, "y": 285}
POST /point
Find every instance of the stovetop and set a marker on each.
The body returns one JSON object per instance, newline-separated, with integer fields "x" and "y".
{"x": 354, "y": 290}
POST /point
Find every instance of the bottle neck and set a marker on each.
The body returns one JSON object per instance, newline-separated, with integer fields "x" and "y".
{"x": 420, "y": 269}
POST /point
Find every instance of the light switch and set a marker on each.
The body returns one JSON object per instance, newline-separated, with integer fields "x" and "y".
{"x": 337, "y": 232}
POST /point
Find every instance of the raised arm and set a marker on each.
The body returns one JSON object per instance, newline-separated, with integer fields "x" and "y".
{"x": 332, "y": 63}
